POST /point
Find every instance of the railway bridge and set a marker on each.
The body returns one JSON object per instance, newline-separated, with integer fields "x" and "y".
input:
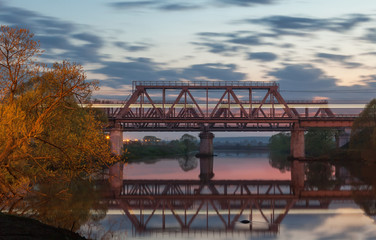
{"x": 207, "y": 107}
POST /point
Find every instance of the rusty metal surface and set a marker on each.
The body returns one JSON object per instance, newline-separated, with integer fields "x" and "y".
{"x": 218, "y": 106}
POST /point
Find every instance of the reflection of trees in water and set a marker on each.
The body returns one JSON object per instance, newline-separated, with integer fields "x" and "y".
{"x": 62, "y": 205}
{"x": 279, "y": 145}
{"x": 320, "y": 175}
{"x": 367, "y": 204}
{"x": 361, "y": 157}
{"x": 363, "y": 133}
{"x": 365, "y": 173}
{"x": 188, "y": 163}
{"x": 280, "y": 161}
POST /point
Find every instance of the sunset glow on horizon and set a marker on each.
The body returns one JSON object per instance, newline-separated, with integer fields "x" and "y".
{"x": 314, "y": 49}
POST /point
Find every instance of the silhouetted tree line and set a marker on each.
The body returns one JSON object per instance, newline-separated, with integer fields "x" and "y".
{"x": 152, "y": 148}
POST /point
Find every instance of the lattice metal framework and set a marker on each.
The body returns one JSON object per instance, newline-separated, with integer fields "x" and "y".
{"x": 151, "y": 204}
{"x": 213, "y": 106}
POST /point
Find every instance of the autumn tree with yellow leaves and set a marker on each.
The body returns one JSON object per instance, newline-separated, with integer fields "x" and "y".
{"x": 45, "y": 135}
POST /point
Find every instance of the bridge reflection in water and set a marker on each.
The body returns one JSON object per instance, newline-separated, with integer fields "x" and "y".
{"x": 207, "y": 206}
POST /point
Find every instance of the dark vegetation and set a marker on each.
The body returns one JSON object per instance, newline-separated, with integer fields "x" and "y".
{"x": 319, "y": 143}
{"x": 358, "y": 156}
{"x": 148, "y": 150}
{"x": 17, "y": 227}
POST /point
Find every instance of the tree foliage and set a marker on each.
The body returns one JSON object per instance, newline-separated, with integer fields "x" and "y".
{"x": 44, "y": 134}
{"x": 363, "y": 133}
{"x": 150, "y": 150}
{"x": 279, "y": 145}
{"x": 188, "y": 143}
{"x": 319, "y": 141}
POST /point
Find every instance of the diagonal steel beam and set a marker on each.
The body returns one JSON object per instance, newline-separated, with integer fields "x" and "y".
{"x": 242, "y": 109}
{"x": 283, "y": 102}
{"x": 256, "y": 110}
{"x": 219, "y": 102}
{"x": 152, "y": 103}
{"x": 125, "y": 109}
{"x": 194, "y": 101}
{"x": 176, "y": 101}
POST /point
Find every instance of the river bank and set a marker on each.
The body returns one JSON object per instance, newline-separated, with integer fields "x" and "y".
{"x": 16, "y": 227}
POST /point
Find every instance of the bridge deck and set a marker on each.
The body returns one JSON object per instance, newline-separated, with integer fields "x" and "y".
{"x": 218, "y": 106}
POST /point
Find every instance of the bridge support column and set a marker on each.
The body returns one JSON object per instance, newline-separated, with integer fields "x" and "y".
{"x": 115, "y": 177}
{"x": 343, "y": 137}
{"x": 116, "y": 139}
{"x": 116, "y": 171}
{"x": 206, "y": 168}
{"x": 206, "y": 143}
{"x": 297, "y": 176}
{"x": 297, "y": 143}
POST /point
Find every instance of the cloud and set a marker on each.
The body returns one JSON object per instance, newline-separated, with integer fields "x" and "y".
{"x": 213, "y": 71}
{"x": 154, "y": 5}
{"x": 286, "y": 25}
{"x": 303, "y": 77}
{"x": 132, "y": 4}
{"x": 215, "y": 47}
{"x": 228, "y": 43}
{"x": 173, "y": 6}
{"x": 352, "y": 64}
{"x": 216, "y": 34}
{"x": 120, "y": 73}
{"x": 339, "y": 58}
{"x": 136, "y": 47}
{"x": 145, "y": 69}
{"x": 179, "y": 7}
{"x": 55, "y": 34}
{"x": 305, "y": 81}
{"x": 333, "y": 57}
{"x": 262, "y": 56}
{"x": 247, "y": 40}
{"x": 246, "y": 3}
{"x": 370, "y": 35}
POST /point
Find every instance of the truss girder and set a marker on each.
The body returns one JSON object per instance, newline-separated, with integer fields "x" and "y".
{"x": 228, "y": 201}
{"x": 228, "y": 212}
{"x": 223, "y": 107}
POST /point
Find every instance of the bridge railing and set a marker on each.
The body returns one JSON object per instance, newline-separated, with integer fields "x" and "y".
{"x": 205, "y": 83}
{"x": 334, "y": 116}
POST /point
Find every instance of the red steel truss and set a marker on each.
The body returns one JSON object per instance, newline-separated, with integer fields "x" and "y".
{"x": 217, "y": 106}
{"x": 191, "y": 205}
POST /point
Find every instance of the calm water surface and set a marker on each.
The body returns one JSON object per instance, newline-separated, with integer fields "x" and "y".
{"x": 236, "y": 196}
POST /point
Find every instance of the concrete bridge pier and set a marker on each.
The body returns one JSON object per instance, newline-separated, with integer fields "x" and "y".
{"x": 206, "y": 143}
{"x": 115, "y": 175}
{"x": 297, "y": 176}
{"x": 115, "y": 178}
{"x": 116, "y": 140}
{"x": 297, "y": 143}
{"x": 206, "y": 168}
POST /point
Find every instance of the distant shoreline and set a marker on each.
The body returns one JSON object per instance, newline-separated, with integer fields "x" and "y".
{"x": 241, "y": 147}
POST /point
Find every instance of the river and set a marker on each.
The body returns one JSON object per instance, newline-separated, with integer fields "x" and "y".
{"x": 236, "y": 195}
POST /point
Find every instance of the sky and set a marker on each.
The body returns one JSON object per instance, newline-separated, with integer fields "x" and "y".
{"x": 324, "y": 48}
{"x": 321, "y": 49}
